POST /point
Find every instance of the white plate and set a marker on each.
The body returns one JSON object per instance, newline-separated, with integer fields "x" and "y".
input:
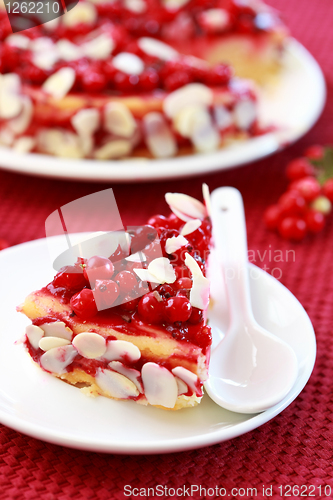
{"x": 294, "y": 104}
{"x": 36, "y": 403}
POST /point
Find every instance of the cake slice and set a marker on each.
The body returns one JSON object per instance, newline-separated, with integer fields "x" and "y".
{"x": 132, "y": 326}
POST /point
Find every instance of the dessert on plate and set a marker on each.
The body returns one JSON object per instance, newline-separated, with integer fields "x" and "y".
{"x": 137, "y": 78}
{"x": 132, "y": 326}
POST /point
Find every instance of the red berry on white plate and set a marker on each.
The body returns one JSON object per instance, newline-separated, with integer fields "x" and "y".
{"x": 106, "y": 293}
{"x": 177, "y": 309}
{"x": 83, "y": 304}
{"x": 150, "y": 308}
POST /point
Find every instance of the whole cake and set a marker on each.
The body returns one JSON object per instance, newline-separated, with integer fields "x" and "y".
{"x": 137, "y": 78}
{"x": 132, "y": 328}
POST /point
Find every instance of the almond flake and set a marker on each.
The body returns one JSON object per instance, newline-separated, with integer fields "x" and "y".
{"x": 145, "y": 275}
{"x": 10, "y": 100}
{"x": 205, "y": 137}
{"x": 86, "y": 121}
{"x": 189, "y": 118}
{"x": 19, "y": 41}
{"x": 84, "y": 12}
{"x": 118, "y": 350}
{"x": 60, "y": 83}
{"x": 190, "y": 378}
{"x": 193, "y": 93}
{"x": 57, "y": 329}
{"x": 24, "y": 144}
{"x": 119, "y": 120}
{"x": 137, "y": 6}
{"x": 206, "y": 197}
{"x": 68, "y": 51}
{"x": 114, "y": 149}
{"x": 223, "y": 117}
{"x": 182, "y": 387}
{"x": 99, "y": 48}
{"x": 47, "y": 343}
{"x": 199, "y": 294}
{"x": 133, "y": 375}
{"x": 136, "y": 257}
{"x": 34, "y": 334}
{"x": 160, "y": 386}
{"x": 158, "y": 135}
{"x": 90, "y": 345}
{"x": 162, "y": 269}
{"x": 190, "y": 226}
{"x": 20, "y": 123}
{"x": 128, "y": 63}
{"x": 175, "y": 243}
{"x": 185, "y": 207}
{"x": 116, "y": 385}
{"x": 156, "y": 48}
{"x": 57, "y": 359}
{"x": 245, "y": 113}
{"x": 215, "y": 20}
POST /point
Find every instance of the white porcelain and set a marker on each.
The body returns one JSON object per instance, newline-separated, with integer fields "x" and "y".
{"x": 294, "y": 103}
{"x": 37, "y": 404}
{"x": 250, "y": 369}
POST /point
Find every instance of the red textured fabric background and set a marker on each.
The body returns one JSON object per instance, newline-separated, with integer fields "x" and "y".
{"x": 296, "y": 447}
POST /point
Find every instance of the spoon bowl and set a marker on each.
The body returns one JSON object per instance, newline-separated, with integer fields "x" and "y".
{"x": 251, "y": 369}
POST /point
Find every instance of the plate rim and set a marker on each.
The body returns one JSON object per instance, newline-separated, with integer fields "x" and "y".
{"x": 55, "y": 436}
{"x": 173, "y": 168}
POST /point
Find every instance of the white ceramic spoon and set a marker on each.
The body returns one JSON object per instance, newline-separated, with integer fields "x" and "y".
{"x": 250, "y": 369}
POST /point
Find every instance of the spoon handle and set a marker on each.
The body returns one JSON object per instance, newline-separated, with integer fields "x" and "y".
{"x": 229, "y": 234}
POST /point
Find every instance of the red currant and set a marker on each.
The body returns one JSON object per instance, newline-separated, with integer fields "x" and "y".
{"x": 142, "y": 237}
{"x": 328, "y": 189}
{"x": 183, "y": 283}
{"x": 315, "y": 152}
{"x": 93, "y": 81}
{"x": 70, "y": 277}
{"x": 182, "y": 272}
{"x": 292, "y": 203}
{"x": 299, "y": 168}
{"x": 219, "y": 75}
{"x": 158, "y": 221}
{"x": 126, "y": 281}
{"x": 98, "y": 268}
{"x": 83, "y": 304}
{"x": 129, "y": 304}
{"x": 177, "y": 309}
{"x": 196, "y": 316}
{"x": 315, "y": 221}
{"x": 272, "y": 216}
{"x": 149, "y": 80}
{"x": 293, "y": 228}
{"x": 150, "y": 308}
{"x": 175, "y": 222}
{"x": 165, "y": 290}
{"x": 106, "y": 293}
{"x": 177, "y": 80}
{"x": 308, "y": 187}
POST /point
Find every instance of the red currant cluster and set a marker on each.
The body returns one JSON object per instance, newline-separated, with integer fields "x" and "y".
{"x": 303, "y": 208}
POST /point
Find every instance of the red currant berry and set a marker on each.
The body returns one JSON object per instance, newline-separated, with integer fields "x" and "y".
{"x": 70, "y": 277}
{"x": 143, "y": 288}
{"x": 165, "y": 290}
{"x": 299, "y": 168}
{"x": 315, "y": 221}
{"x": 196, "y": 316}
{"x": 83, "y": 304}
{"x": 308, "y": 187}
{"x": 126, "y": 281}
{"x": 176, "y": 80}
{"x": 149, "y": 80}
{"x": 177, "y": 309}
{"x": 158, "y": 221}
{"x": 183, "y": 283}
{"x": 219, "y": 75}
{"x": 106, "y": 293}
{"x": 272, "y": 216}
{"x": 129, "y": 304}
{"x": 98, "y": 268}
{"x": 328, "y": 189}
{"x": 293, "y": 228}
{"x": 150, "y": 308}
{"x": 93, "y": 81}
{"x": 175, "y": 222}
{"x": 118, "y": 254}
{"x": 142, "y": 237}
{"x": 315, "y": 152}
{"x": 203, "y": 337}
{"x": 292, "y": 203}
{"x": 182, "y": 272}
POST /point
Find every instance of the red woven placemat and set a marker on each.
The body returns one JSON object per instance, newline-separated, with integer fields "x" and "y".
{"x": 296, "y": 447}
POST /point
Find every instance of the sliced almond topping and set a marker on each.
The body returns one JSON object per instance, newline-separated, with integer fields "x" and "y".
{"x": 133, "y": 375}
{"x": 206, "y": 197}
{"x": 90, "y": 345}
{"x": 199, "y": 294}
{"x": 205, "y": 137}
{"x": 68, "y": 51}
{"x": 245, "y": 113}
{"x": 162, "y": 269}
{"x": 160, "y": 386}
{"x": 34, "y": 334}
{"x": 182, "y": 387}
{"x": 6, "y": 137}
{"x": 20, "y": 123}
{"x": 60, "y": 83}
{"x": 57, "y": 329}
{"x": 116, "y": 385}
{"x": 190, "y": 118}
{"x": 159, "y": 137}
{"x": 136, "y": 257}
{"x": 128, "y": 63}
{"x": 84, "y": 12}
{"x": 119, "y": 120}
{"x": 190, "y": 378}
{"x": 86, "y": 121}
{"x": 145, "y": 275}
{"x": 114, "y": 149}
{"x": 156, "y": 48}
{"x": 175, "y": 243}
{"x": 24, "y": 144}
{"x": 60, "y": 143}
{"x": 174, "y": 4}
{"x": 185, "y": 207}
{"x": 10, "y": 101}
{"x": 190, "y": 226}
{"x": 57, "y": 359}
{"x": 223, "y": 117}
{"x": 99, "y": 47}
{"x": 193, "y": 93}
{"x": 215, "y": 20}
{"x": 19, "y": 41}
{"x": 47, "y": 343}
{"x": 137, "y": 6}
{"x": 118, "y": 350}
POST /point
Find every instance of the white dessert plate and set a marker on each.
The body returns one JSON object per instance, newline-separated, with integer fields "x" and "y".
{"x": 39, "y": 405}
{"x": 293, "y": 104}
